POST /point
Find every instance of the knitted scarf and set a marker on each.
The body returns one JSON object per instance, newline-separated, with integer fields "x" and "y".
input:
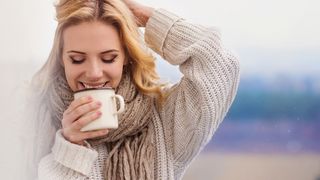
{"x": 130, "y": 146}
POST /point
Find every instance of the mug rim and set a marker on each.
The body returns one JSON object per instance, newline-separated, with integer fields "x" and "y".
{"x": 88, "y": 89}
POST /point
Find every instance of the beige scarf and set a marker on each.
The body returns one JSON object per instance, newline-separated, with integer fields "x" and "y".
{"x": 130, "y": 148}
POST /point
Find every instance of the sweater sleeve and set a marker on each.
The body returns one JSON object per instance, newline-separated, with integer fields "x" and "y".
{"x": 198, "y": 103}
{"x": 66, "y": 161}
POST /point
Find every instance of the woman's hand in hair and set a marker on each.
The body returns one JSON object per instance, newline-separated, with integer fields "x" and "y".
{"x": 81, "y": 112}
{"x": 141, "y": 12}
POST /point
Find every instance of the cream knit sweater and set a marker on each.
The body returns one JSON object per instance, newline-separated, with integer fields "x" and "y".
{"x": 193, "y": 111}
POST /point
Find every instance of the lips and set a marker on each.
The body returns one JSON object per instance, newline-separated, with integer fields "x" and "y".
{"x": 83, "y": 85}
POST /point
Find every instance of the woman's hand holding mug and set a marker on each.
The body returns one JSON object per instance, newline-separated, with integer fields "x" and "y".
{"x": 81, "y": 112}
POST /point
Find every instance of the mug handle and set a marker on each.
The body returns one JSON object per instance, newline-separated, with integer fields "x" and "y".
{"x": 121, "y": 101}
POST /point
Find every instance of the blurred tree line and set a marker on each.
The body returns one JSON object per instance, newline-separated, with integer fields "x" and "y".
{"x": 279, "y": 99}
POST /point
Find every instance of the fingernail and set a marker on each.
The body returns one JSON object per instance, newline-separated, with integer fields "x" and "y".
{"x": 89, "y": 98}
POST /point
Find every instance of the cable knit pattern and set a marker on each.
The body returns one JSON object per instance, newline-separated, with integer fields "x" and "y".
{"x": 187, "y": 120}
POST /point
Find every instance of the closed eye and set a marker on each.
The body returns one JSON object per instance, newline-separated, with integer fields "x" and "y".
{"x": 109, "y": 61}
{"x": 76, "y": 61}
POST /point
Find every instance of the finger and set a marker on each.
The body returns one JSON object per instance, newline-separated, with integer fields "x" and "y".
{"x": 67, "y": 118}
{"x": 93, "y": 134}
{"x": 84, "y": 120}
{"x": 82, "y": 110}
{"x": 78, "y": 102}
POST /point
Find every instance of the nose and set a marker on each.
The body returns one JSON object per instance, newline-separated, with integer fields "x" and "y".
{"x": 94, "y": 71}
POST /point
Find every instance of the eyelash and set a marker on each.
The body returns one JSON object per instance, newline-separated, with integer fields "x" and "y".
{"x": 109, "y": 61}
{"x": 76, "y": 61}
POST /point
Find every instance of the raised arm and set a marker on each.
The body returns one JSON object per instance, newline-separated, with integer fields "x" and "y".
{"x": 198, "y": 103}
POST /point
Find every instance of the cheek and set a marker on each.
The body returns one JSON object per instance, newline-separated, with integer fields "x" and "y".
{"x": 116, "y": 75}
{"x": 70, "y": 76}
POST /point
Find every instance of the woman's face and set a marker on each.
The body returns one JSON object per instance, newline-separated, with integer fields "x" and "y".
{"x": 92, "y": 55}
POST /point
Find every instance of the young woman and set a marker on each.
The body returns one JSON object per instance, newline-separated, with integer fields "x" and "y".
{"x": 163, "y": 128}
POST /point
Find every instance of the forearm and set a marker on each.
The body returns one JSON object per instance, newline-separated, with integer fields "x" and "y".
{"x": 51, "y": 169}
{"x": 198, "y": 103}
{"x": 67, "y": 160}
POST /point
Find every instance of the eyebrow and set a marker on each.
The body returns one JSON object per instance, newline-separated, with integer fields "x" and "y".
{"x": 104, "y": 52}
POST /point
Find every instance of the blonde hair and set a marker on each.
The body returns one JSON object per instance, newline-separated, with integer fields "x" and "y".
{"x": 46, "y": 88}
{"x": 141, "y": 62}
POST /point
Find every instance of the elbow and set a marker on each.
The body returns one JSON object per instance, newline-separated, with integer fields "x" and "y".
{"x": 221, "y": 55}
{"x": 234, "y": 66}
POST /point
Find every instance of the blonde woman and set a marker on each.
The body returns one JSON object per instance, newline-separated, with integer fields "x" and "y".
{"x": 163, "y": 128}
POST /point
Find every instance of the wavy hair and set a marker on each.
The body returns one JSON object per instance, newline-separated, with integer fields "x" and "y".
{"x": 45, "y": 84}
{"x": 114, "y": 12}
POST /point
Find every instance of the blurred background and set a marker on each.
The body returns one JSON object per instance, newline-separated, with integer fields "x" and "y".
{"x": 272, "y": 130}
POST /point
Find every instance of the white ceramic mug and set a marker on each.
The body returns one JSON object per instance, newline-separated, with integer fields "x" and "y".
{"x": 107, "y": 97}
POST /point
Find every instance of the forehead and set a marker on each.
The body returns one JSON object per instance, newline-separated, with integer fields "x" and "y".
{"x": 91, "y": 36}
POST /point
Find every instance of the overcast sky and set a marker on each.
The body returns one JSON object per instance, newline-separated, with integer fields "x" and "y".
{"x": 264, "y": 33}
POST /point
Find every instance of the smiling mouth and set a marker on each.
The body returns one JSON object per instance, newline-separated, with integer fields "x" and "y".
{"x": 90, "y": 86}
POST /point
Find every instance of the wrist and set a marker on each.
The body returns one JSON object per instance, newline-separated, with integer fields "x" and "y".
{"x": 143, "y": 14}
{"x": 86, "y": 144}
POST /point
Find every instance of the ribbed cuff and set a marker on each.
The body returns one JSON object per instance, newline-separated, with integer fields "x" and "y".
{"x": 157, "y": 29}
{"x": 76, "y": 157}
